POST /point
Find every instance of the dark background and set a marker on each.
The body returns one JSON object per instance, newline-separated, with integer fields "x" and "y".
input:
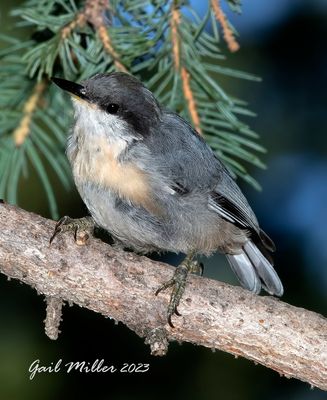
{"x": 284, "y": 42}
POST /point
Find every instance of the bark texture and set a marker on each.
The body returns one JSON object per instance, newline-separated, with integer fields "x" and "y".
{"x": 121, "y": 285}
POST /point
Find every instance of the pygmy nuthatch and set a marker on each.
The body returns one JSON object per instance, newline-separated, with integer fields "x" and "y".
{"x": 150, "y": 180}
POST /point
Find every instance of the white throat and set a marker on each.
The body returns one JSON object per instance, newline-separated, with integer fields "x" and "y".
{"x": 94, "y": 129}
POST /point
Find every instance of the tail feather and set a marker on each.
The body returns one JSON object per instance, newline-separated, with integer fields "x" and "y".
{"x": 245, "y": 272}
{"x": 270, "y": 280}
{"x": 254, "y": 271}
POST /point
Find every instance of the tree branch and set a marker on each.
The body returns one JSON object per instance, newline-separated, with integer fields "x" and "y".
{"x": 121, "y": 285}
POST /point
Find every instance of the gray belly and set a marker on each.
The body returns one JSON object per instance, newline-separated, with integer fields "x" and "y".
{"x": 132, "y": 226}
{"x": 187, "y": 224}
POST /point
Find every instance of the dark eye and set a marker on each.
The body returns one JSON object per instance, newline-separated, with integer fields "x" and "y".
{"x": 112, "y": 108}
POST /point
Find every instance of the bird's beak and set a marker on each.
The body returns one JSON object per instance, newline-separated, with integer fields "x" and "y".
{"x": 71, "y": 87}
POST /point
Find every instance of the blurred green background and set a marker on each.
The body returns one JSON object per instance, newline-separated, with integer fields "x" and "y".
{"x": 284, "y": 42}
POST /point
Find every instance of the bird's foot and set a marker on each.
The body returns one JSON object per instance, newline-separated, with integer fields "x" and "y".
{"x": 178, "y": 283}
{"x": 82, "y": 227}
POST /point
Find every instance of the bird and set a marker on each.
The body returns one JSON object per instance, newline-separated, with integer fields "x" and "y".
{"x": 148, "y": 178}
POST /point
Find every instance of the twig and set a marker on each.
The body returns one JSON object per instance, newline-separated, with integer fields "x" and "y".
{"x": 79, "y": 20}
{"x": 94, "y": 11}
{"x": 23, "y": 129}
{"x": 188, "y": 94}
{"x": 107, "y": 45}
{"x": 175, "y": 20}
{"x": 53, "y": 316}
{"x": 287, "y": 339}
{"x": 227, "y": 32}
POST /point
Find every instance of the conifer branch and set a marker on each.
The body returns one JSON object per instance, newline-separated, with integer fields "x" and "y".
{"x": 94, "y": 12}
{"x": 23, "y": 129}
{"x": 185, "y": 76}
{"x": 227, "y": 32}
{"x": 107, "y": 45}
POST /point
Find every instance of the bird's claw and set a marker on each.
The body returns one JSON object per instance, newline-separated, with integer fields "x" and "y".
{"x": 178, "y": 283}
{"x": 82, "y": 228}
{"x": 197, "y": 267}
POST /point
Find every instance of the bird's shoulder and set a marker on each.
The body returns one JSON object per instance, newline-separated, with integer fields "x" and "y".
{"x": 183, "y": 152}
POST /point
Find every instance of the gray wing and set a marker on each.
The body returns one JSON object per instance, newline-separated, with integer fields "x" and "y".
{"x": 228, "y": 201}
{"x": 192, "y": 165}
